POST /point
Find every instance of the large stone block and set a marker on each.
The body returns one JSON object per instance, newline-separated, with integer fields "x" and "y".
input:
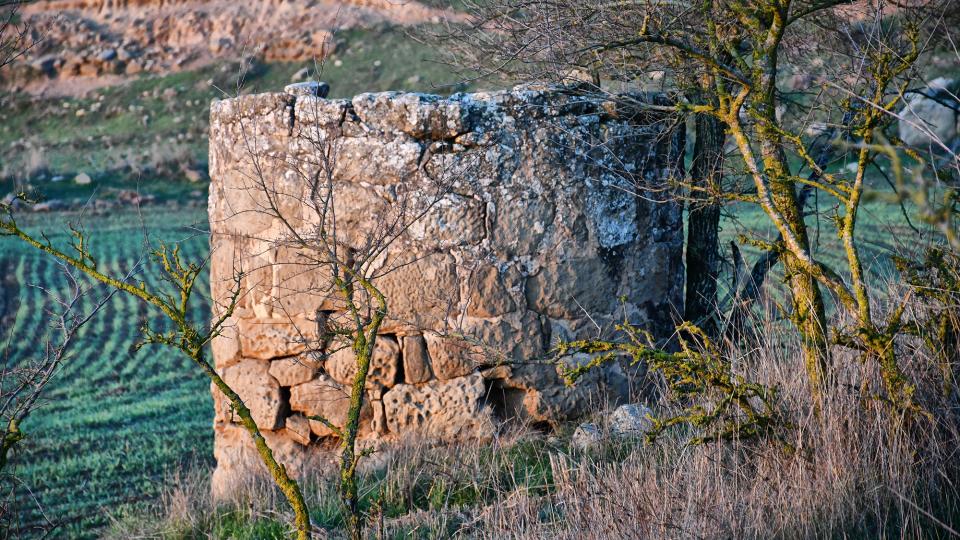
{"x": 294, "y": 370}
{"x": 452, "y": 356}
{"x": 416, "y": 360}
{"x": 443, "y": 409}
{"x": 277, "y": 337}
{"x": 384, "y": 364}
{"x": 260, "y": 392}
{"x": 574, "y": 288}
{"x": 421, "y": 291}
{"x": 326, "y": 398}
{"x": 487, "y": 294}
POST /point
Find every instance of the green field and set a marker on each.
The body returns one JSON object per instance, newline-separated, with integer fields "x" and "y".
{"x": 114, "y": 421}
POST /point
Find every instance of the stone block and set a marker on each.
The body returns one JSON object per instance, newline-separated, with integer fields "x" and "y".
{"x": 276, "y": 338}
{"x": 448, "y": 410}
{"x": 324, "y": 397}
{"x": 251, "y": 380}
{"x": 452, "y": 356}
{"x": 416, "y": 360}
{"x": 384, "y": 364}
{"x": 294, "y": 370}
{"x": 421, "y": 291}
{"x": 486, "y": 293}
{"x": 574, "y": 288}
{"x": 298, "y": 429}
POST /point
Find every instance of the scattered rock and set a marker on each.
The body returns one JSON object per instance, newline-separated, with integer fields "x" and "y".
{"x": 302, "y": 74}
{"x": 82, "y": 179}
{"x": 310, "y": 88}
{"x": 192, "y": 175}
{"x": 631, "y": 420}
{"x": 107, "y": 55}
{"x": 932, "y": 114}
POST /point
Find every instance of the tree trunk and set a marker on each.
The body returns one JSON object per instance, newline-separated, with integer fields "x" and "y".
{"x": 703, "y": 246}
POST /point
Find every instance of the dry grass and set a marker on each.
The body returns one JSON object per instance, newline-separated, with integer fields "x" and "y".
{"x": 849, "y": 472}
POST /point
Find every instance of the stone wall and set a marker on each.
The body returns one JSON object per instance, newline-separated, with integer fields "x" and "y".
{"x": 545, "y": 231}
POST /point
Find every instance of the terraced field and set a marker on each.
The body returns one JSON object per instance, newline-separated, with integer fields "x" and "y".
{"x": 115, "y": 421}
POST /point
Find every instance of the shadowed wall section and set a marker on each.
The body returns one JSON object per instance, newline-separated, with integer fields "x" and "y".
{"x": 543, "y": 218}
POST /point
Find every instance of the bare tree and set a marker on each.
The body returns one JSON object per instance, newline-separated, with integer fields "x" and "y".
{"x": 858, "y": 60}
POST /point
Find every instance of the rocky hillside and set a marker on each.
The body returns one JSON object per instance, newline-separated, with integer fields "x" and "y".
{"x": 84, "y": 44}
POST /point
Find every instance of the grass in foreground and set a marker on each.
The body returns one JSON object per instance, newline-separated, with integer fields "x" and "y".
{"x": 848, "y": 473}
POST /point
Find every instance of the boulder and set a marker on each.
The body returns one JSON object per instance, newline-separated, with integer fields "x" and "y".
{"x": 933, "y": 113}
{"x": 631, "y": 420}
{"x": 586, "y": 436}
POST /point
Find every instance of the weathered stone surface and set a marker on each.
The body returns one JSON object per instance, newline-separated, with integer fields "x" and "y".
{"x": 487, "y": 294}
{"x": 442, "y": 409}
{"x": 275, "y": 338}
{"x": 520, "y": 223}
{"x": 421, "y": 292}
{"x": 416, "y": 360}
{"x": 375, "y": 161}
{"x": 531, "y": 228}
{"x": 419, "y": 115}
{"x": 226, "y": 346}
{"x": 259, "y": 391}
{"x": 384, "y": 364}
{"x": 574, "y": 288}
{"x": 326, "y": 398}
{"x": 238, "y": 461}
{"x": 631, "y": 420}
{"x": 294, "y": 370}
{"x": 452, "y": 357}
{"x": 513, "y": 337}
{"x": 452, "y": 220}
{"x": 298, "y": 428}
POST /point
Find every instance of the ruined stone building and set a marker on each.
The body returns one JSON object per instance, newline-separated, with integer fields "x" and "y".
{"x": 551, "y": 223}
